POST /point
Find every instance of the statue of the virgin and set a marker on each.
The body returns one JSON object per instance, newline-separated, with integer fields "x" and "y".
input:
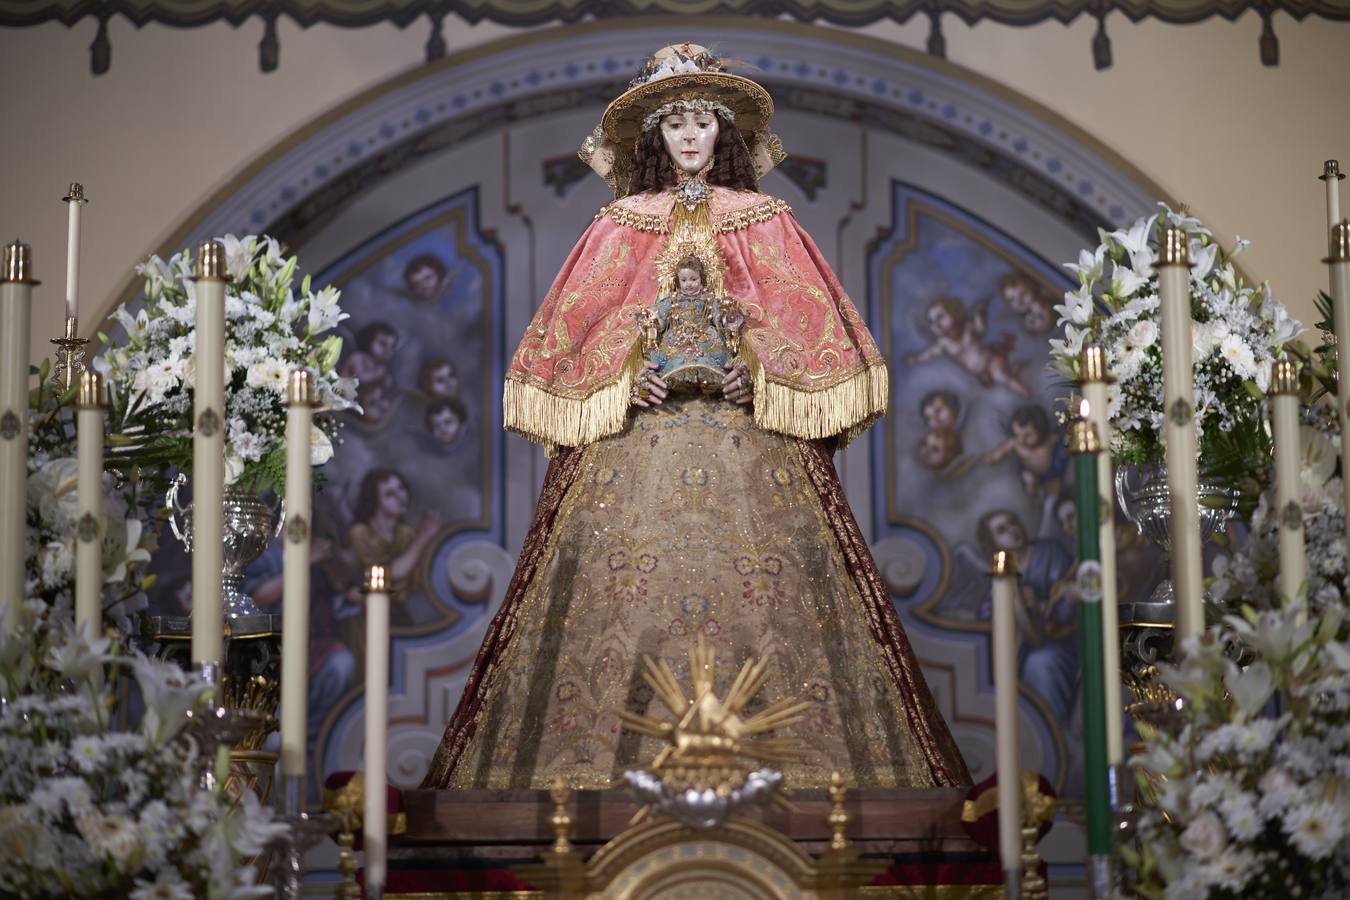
{"x": 693, "y": 506}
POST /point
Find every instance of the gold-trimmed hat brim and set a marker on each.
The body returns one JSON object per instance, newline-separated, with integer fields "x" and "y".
{"x": 752, "y": 104}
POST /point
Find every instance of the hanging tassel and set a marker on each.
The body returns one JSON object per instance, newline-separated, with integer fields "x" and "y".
{"x": 100, "y": 51}
{"x": 1270, "y": 44}
{"x": 435, "y": 43}
{"x": 269, "y": 48}
{"x": 1101, "y": 45}
{"x": 937, "y": 44}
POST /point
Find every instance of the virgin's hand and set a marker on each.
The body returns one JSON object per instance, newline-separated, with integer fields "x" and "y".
{"x": 648, "y": 388}
{"x": 736, "y": 386}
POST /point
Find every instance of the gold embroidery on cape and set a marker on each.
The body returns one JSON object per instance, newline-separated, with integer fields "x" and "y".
{"x": 629, "y": 218}
{"x": 734, "y": 220}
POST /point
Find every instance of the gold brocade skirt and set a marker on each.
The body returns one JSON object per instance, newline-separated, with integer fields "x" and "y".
{"x": 691, "y": 521}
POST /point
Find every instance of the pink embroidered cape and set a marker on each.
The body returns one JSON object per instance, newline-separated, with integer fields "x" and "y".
{"x": 817, "y": 372}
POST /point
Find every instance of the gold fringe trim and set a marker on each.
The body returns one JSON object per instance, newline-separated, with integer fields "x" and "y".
{"x": 751, "y": 215}
{"x": 630, "y": 218}
{"x": 555, "y": 421}
{"x": 846, "y": 409}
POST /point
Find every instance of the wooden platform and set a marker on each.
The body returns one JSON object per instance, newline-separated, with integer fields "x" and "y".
{"x": 513, "y": 824}
{"x": 471, "y": 844}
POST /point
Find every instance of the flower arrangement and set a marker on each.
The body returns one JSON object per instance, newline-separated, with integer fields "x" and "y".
{"x": 1237, "y": 331}
{"x": 128, "y": 535}
{"x": 270, "y": 329}
{"x": 90, "y": 811}
{"x": 1250, "y": 803}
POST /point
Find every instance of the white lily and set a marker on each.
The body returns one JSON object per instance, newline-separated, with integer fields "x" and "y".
{"x": 1077, "y": 306}
{"x": 1136, "y": 243}
{"x": 238, "y": 254}
{"x": 121, "y": 548}
{"x": 1125, "y": 281}
{"x": 79, "y": 653}
{"x": 1089, "y": 266}
{"x": 1202, "y": 259}
{"x": 169, "y": 692}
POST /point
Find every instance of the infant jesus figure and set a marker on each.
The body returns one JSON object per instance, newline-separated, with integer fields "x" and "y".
{"x": 691, "y": 340}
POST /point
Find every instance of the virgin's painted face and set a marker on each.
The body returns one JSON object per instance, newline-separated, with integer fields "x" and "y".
{"x": 690, "y": 138}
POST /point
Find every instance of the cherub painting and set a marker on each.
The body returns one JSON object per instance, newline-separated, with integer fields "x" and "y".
{"x": 1042, "y": 456}
{"x": 941, "y": 445}
{"x": 960, "y": 336}
{"x": 1027, "y": 299}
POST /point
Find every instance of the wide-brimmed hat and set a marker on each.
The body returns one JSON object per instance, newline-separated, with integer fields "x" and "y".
{"x": 686, "y": 72}
{"x": 681, "y": 72}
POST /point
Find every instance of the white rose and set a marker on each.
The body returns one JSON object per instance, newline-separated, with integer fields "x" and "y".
{"x": 53, "y": 492}
{"x": 1238, "y": 355}
{"x": 1205, "y": 837}
{"x": 1143, "y": 334}
{"x": 234, "y": 467}
{"x": 320, "y": 447}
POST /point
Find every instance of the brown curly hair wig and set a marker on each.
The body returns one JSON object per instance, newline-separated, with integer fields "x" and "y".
{"x": 653, "y": 168}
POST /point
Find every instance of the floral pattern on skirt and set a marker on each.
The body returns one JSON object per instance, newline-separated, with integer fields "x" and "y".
{"x": 691, "y": 521}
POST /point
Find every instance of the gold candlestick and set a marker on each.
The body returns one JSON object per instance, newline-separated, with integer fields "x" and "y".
{"x": 838, "y": 818}
{"x": 561, "y": 821}
{"x": 70, "y": 355}
{"x": 1038, "y": 808}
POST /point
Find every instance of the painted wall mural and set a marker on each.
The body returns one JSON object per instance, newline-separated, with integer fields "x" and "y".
{"x": 415, "y": 482}
{"x": 416, "y": 479}
{"x": 971, "y": 458}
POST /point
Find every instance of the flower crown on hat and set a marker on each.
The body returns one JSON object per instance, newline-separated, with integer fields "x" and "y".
{"x": 681, "y": 77}
{"x": 677, "y": 59}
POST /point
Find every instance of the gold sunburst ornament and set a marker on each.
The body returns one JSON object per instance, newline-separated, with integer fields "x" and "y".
{"x": 713, "y": 761}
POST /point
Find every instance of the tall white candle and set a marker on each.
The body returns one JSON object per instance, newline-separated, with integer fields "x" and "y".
{"x": 208, "y": 457}
{"x": 74, "y": 200}
{"x": 376, "y": 821}
{"x": 1005, "y": 601}
{"x": 1094, "y": 384}
{"x": 16, "y": 295}
{"x": 1288, "y": 491}
{"x": 1339, "y": 260}
{"x": 1179, "y": 432}
{"x": 295, "y": 599}
{"x": 1331, "y": 176}
{"x": 89, "y": 504}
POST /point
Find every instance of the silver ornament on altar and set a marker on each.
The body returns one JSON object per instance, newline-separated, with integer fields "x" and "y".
{"x": 705, "y": 808}
{"x": 250, "y": 525}
{"x": 1146, "y": 501}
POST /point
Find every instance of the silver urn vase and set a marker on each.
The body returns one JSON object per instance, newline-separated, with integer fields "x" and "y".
{"x": 1146, "y": 502}
{"x": 250, "y": 525}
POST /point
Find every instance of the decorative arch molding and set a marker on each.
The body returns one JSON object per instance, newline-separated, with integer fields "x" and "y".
{"x": 832, "y": 74}
{"x": 525, "y": 13}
